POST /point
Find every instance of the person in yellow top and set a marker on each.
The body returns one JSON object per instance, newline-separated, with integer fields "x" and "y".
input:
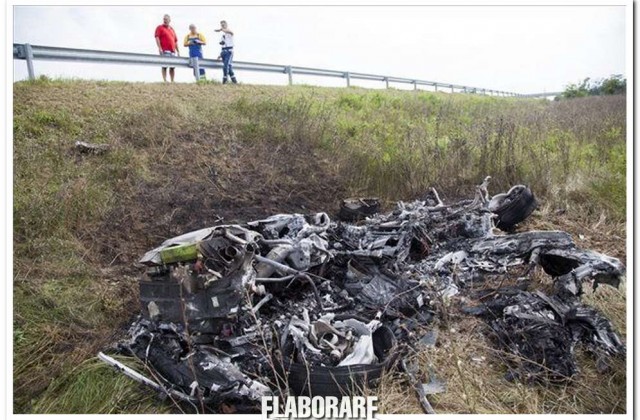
{"x": 195, "y": 40}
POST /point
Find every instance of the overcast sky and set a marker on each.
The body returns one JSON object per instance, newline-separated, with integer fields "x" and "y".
{"x": 524, "y": 49}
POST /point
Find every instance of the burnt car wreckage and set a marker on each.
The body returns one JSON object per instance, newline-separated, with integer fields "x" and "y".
{"x": 301, "y": 305}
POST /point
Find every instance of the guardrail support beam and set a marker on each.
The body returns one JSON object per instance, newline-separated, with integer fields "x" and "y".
{"x": 435, "y": 85}
{"x": 289, "y": 74}
{"x": 386, "y": 82}
{"x": 29, "y": 56}
{"x": 347, "y": 76}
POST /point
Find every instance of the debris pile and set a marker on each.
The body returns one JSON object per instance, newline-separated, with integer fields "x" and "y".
{"x": 305, "y": 305}
{"x": 540, "y": 332}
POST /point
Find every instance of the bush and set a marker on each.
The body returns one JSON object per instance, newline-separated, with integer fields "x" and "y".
{"x": 614, "y": 85}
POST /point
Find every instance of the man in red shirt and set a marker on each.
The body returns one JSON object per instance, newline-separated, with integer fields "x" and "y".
{"x": 167, "y": 42}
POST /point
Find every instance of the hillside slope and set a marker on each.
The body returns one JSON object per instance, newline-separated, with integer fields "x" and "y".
{"x": 187, "y": 156}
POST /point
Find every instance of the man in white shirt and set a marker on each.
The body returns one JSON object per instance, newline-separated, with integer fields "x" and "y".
{"x": 227, "y": 52}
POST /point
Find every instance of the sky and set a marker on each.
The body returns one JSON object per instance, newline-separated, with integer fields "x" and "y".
{"x": 524, "y": 49}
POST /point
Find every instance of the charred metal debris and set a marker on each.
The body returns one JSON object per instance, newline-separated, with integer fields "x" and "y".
{"x": 302, "y": 305}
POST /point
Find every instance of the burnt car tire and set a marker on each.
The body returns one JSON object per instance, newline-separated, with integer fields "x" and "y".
{"x": 340, "y": 381}
{"x": 513, "y": 207}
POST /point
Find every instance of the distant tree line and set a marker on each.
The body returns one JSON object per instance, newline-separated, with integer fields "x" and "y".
{"x": 614, "y": 85}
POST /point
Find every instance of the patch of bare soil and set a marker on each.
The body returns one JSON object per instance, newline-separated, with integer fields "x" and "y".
{"x": 198, "y": 184}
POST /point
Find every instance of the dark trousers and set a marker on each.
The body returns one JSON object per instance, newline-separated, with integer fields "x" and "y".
{"x": 227, "y": 64}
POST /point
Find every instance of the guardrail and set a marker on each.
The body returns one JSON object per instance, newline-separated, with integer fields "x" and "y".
{"x": 30, "y": 53}
{"x": 542, "y": 95}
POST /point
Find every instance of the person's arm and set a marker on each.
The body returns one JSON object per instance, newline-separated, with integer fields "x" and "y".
{"x": 157, "y": 35}
{"x": 226, "y": 31}
{"x": 203, "y": 40}
{"x": 186, "y": 41}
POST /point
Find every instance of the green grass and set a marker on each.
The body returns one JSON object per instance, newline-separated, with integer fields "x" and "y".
{"x": 182, "y": 155}
{"x": 82, "y": 390}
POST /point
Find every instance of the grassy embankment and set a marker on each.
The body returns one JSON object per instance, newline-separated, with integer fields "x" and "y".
{"x": 184, "y": 156}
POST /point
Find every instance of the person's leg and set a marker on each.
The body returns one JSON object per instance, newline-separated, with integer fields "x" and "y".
{"x": 164, "y": 74}
{"x": 202, "y": 72}
{"x": 225, "y": 65}
{"x": 172, "y": 73}
{"x": 192, "y": 65}
{"x": 231, "y": 73}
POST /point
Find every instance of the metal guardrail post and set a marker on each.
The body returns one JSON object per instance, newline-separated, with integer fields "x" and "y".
{"x": 289, "y": 74}
{"x": 196, "y": 68}
{"x": 452, "y": 89}
{"x": 415, "y": 85}
{"x": 29, "y": 56}
{"x": 347, "y": 76}
{"x": 386, "y": 82}
{"x": 435, "y": 85}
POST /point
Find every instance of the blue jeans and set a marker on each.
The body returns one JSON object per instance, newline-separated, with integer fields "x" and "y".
{"x": 191, "y": 61}
{"x": 227, "y": 66}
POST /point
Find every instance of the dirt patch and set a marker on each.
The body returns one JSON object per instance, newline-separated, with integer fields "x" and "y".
{"x": 197, "y": 185}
